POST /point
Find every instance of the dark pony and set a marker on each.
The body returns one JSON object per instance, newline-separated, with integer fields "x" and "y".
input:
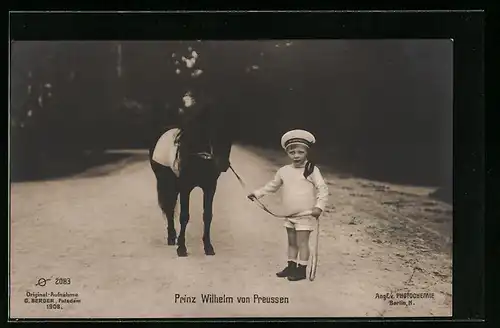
{"x": 204, "y": 145}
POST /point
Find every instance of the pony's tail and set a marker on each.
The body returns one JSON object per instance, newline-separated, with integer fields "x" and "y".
{"x": 165, "y": 190}
{"x": 163, "y": 197}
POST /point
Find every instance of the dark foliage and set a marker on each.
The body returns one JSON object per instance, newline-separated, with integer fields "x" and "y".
{"x": 379, "y": 109}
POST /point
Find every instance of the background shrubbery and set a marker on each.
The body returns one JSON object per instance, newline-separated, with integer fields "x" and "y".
{"x": 379, "y": 109}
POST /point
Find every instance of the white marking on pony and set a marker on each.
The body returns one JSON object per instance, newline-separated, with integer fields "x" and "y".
{"x": 166, "y": 150}
{"x": 30, "y": 112}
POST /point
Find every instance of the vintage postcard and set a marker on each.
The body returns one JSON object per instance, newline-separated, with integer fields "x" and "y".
{"x": 202, "y": 179}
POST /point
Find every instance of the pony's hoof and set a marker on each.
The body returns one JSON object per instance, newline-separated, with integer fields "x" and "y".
{"x": 171, "y": 241}
{"x": 181, "y": 252}
{"x": 209, "y": 250}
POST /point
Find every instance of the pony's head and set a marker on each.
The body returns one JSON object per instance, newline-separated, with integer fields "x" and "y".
{"x": 204, "y": 141}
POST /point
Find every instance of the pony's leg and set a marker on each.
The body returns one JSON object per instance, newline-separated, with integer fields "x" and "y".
{"x": 184, "y": 218}
{"x": 208, "y": 197}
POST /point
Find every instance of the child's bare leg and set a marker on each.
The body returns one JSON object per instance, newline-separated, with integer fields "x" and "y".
{"x": 292, "y": 254}
{"x": 293, "y": 248}
{"x": 303, "y": 244}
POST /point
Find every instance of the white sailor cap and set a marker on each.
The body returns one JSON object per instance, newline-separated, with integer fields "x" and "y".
{"x": 297, "y": 137}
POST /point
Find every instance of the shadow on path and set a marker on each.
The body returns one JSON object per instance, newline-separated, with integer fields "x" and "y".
{"x": 84, "y": 164}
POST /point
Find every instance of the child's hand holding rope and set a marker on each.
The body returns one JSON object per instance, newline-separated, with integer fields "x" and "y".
{"x": 252, "y": 196}
{"x": 316, "y": 212}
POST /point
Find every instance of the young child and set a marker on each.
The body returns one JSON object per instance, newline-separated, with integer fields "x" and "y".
{"x": 304, "y": 191}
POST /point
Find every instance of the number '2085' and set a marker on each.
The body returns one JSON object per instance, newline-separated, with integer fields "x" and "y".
{"x": 63, "y": 281}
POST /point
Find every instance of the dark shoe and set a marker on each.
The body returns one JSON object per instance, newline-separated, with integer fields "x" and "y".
{"x": 299, "y": 273}
{"x": 288, "y": 270}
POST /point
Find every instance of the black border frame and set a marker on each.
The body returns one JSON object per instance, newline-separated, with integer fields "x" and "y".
{"x": 466, "y": 28}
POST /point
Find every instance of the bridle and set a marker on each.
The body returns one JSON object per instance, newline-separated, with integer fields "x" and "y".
{"x": 203, "y": 154}
{"x": 206, "y": 155}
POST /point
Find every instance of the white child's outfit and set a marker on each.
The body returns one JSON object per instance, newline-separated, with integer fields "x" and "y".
{"x": 299, "y": 194}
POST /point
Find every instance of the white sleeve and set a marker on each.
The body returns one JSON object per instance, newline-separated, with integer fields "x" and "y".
{"x": 271, "y": 187}
{"x": 321, "y": 188}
